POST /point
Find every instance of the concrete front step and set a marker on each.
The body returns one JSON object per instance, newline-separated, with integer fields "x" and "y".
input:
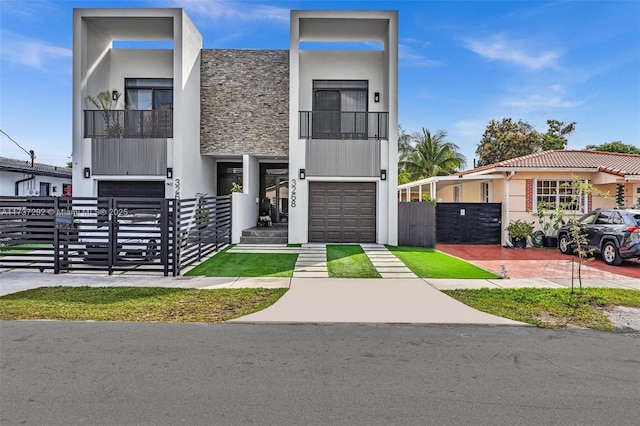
{"x": 264, "y": 240}
{"x": 266, "y": 232}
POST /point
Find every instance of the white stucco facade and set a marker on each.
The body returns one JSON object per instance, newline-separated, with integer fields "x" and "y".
{"x": 99, "y": 66}
{"x": 191, "y": 163}
{"x": 30, "y": 184}
{"x": 378, "y": 67}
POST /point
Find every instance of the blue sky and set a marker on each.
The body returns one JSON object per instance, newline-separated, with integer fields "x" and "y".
{"x": 461, "y": 64}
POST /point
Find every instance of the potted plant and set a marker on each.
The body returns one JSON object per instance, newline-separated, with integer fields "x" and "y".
{"x": 108, "y": 103}
{"x": 519, "y": 231}
{"x": 550, "y": 218}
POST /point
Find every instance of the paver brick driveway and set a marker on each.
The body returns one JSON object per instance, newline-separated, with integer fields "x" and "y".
{"x": 537, "y": 263}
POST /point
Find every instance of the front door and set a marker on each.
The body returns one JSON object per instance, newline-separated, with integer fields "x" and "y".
{"x": 281, "y": 200}
{"x": 274, "y": 191}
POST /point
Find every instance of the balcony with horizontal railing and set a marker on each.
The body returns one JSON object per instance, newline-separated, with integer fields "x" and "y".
{"x": 344, "y": 125}
{"x": 128, "y": 124}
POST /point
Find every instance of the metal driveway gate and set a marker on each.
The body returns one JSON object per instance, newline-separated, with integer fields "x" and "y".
{"x": 469, "y": 223}
{"x": 111, "y": 233}
{"x": 417, "y": 224}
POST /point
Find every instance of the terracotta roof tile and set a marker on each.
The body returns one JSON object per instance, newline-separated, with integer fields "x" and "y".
{"x": 607, "y": 162}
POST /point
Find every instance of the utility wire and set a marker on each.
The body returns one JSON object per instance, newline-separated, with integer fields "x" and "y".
{"x": 31, "y": 154}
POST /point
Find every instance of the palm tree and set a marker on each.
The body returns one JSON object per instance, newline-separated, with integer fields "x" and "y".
{"x": 405, "y": 146}
{"x": 433, "y": 155}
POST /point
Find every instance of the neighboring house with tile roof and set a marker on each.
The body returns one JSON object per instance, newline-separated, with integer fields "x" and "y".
{"x": 520, "y": 183}
{"x": 18, "y": 177}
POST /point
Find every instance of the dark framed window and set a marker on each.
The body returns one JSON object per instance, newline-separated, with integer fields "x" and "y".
{"x": 228, "y": 174}
{"x": 340, "y": 109}
{"x": 149, "y": 93}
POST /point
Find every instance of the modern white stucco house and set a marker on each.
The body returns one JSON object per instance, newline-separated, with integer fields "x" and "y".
{"x": 155, "y": 143}
{"x": 308, "y": 132}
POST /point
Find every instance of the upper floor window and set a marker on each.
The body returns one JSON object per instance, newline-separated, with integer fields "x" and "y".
{"x": 149, "y": 93}
{"x": 558, "y": 194}
{"x": 340, "y": 109}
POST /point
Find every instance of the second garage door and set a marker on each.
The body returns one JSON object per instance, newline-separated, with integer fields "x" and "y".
{"x": 342, "y": 212}
{"x": 141, "y": 189}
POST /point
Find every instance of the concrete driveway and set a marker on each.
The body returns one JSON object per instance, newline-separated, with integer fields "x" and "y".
{"x": 349, "y": 300}
{"x": 538, "y": 263}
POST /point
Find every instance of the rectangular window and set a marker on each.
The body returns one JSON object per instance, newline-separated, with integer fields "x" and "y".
{"x": 340, "y": 109}
{"x": 456, "y": 193}
{"x": 558, "y": 194}
{"x": 484, "y": 196}
{"x": 149, "y": 93}
{"x": 149, "y": 107}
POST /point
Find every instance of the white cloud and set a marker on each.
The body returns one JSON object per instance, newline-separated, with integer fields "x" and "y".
{"x": 235, "y": 11}
{"x": 410, "y": 58}
{"x": 424, "y": 95}
{"x": 537, "y": 101}
{"x": 499, "y": 48}
{"x": 469, "y": 128}
{"x": 31, "y": 52}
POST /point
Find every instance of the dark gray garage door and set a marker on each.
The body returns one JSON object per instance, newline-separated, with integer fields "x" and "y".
{"x": 145, "y": 189}
{"x": 342, "y": 212}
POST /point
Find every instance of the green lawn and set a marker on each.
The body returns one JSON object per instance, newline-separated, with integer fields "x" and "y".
{"x": 21, "y": 248}
{"x": 550, "y": 308}
{"x": 140, "y": 304}
{"x": 430, "y": 263}
{"x": 349, "y": 261}
{"x": 226, "y": 264}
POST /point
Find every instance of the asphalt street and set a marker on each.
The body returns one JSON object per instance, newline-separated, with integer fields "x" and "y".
{"x": 66, "y": 373}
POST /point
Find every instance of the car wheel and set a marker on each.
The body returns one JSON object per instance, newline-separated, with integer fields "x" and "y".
{"x": 563, "y": 244}
{"x": 610, "y": 254}
{"x": 152, "y": 250}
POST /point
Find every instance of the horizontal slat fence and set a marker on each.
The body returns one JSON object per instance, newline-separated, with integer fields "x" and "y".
{"x": 113, "y": 234}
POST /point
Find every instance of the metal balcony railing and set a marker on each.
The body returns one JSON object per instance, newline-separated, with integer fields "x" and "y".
{"x": 344, "y": 125}
{"x": 128, "y": 124}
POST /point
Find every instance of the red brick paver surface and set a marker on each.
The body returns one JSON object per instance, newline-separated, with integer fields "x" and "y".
{"x": 537, "y": 263}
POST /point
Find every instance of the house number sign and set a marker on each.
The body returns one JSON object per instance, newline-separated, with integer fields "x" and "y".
{"x": 293, "y": 193}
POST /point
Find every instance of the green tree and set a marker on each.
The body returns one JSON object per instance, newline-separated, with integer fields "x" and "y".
{"x": 615, "y": 146}
{"x": 578, "y": 238}
{"x": 403, "y": 177}
{"x": 432, "y": 155}
{"x": 506, "y": 139}
{"x": 405, "y": 145}
{"x": 556, "y": 136}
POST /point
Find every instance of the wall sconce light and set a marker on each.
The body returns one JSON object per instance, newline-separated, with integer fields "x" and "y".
{"x": 54, "y": 189}
{"x": 87, "y": 172}
{"x": 302, "y": 174}
{"x": 376, "y": 97}
{"x": 114, "y": 95}
{"x": 169, "y": 173}
{"x": 383, "y": 174}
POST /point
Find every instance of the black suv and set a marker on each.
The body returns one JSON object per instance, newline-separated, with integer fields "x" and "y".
{"x": 613, "y": 233}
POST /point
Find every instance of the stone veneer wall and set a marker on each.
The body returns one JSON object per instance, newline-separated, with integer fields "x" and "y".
{"x": 244, "y": 102}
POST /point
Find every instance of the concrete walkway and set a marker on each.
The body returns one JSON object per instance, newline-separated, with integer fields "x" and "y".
{"x": 387, "y": 264}
{"x": 311, "y": 261}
